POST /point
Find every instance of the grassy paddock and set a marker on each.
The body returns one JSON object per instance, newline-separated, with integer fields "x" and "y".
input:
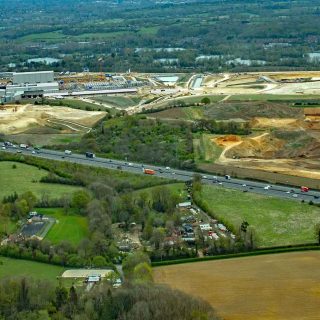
{"x": 275, "y": 221}
{"x": 70, "y": 227}
{"x": 175, "y": 188}
{"x": 37, "y": 270}
{"x": 26, "y": 178}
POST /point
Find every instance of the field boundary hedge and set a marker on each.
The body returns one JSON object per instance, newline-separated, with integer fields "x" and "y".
{"x": 275, "y": 250}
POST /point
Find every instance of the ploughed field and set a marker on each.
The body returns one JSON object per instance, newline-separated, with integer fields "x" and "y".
{"x": 269, "y": 287}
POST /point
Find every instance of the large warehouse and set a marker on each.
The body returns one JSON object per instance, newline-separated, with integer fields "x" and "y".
{"x": 29, "y": 85}
{"x": 33, "y": 77}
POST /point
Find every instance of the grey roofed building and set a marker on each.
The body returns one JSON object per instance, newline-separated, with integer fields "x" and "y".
{"x": 32, "y": 77}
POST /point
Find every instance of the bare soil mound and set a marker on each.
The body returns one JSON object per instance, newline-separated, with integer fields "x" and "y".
{"x": 279, "y": 144}
{"x": 227, "y": 140}
{"x": 18, "y": 119}
{"x": 264, "y": 147}
{"x": 259, "y": 122}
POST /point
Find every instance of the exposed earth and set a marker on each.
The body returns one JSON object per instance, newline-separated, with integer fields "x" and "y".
{"x": 16, "y": 119}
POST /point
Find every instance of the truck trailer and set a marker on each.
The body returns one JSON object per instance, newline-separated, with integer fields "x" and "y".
{"x": 149, "y": 171}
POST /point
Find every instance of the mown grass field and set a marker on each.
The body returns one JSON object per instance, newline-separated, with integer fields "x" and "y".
{"x": 275, "y": 221}
{"x": 26, "y": 178}
{"x": 70, "y": 227}
{"x": 16, "y": 268}
{"x": 270, "y": 287}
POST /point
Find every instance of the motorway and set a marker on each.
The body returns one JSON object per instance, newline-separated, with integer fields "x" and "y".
{"x": 279, "y": 191}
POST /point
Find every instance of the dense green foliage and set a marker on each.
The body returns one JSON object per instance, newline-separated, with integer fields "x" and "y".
{"x": 136, "y": 138}
{"x": 136, "y": 34}
{"x": 27, "y": 299}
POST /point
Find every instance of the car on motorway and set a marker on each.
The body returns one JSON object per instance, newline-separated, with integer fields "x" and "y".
{"x": 90, "y": 155}
{"x": 267, "y": 187}
{"x": 167, "y": 168}
{"x": 220, "y": 183}
{"x": 173, "y": 173}
{"x": 3, "y": 148}
{"x": 204, "y": 177}
{"x": 288, "y": 192}
{"x": 244, "y": 185}
{"x": 19, "y": 151}
{"x": 295, "y": 195}
{"x": 33, "y": 152}
{"x": 130, "y": 164}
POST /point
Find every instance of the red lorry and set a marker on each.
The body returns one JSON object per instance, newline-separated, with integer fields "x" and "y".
{"x": 304, "y": 189}
{"x": 149, "y": 171}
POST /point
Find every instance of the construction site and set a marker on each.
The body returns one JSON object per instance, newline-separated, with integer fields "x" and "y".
{"x": 281, "y": 108}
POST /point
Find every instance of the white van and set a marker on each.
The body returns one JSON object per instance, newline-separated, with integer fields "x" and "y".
{"x": 67, "y": 152}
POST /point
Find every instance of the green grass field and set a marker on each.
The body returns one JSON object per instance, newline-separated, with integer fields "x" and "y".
{"x": 70, "y": 227}
{"x": 16, "y": 267}
{"x": 7, "y": 225}
{"x": 75, "y": 104}
{"x": 205, "y": 150}
{"x": 275, "y": 221}
{"x": 176, "y": 188}
{"x": 45, "y": 139}
{"x": 198, "y": 98}
{"x": 119, "y": 101}
{"x": 272, "y": 97}
{"x": 57, "y": 36}
{"x": 26, "y": 178}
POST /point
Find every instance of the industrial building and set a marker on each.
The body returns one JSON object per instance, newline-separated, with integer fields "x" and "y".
{"x": 29, "y": 85}
{"x": 32, "y": 77}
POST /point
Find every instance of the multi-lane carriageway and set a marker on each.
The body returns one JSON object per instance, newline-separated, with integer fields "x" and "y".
{"x": 279, "y": 191}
